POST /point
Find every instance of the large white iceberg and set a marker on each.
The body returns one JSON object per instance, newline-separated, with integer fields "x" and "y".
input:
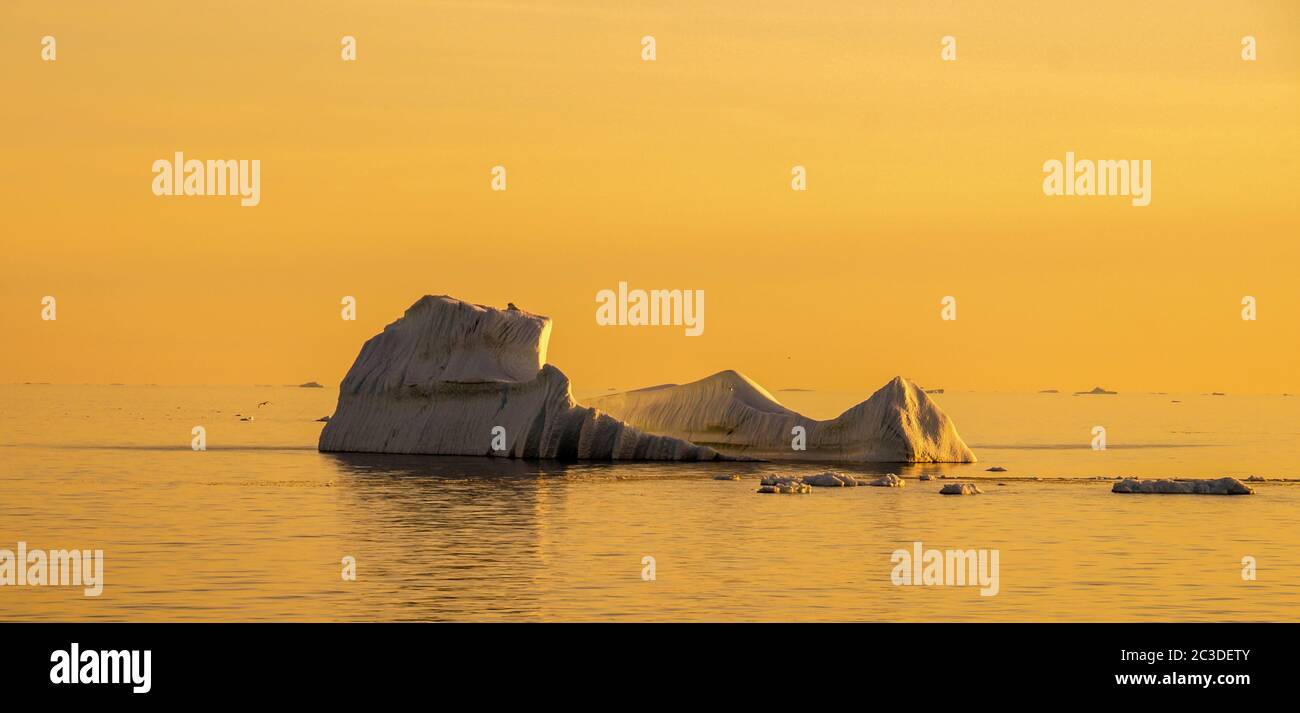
{"x": 732, "y": 414}
{"x": 454, "y": 378}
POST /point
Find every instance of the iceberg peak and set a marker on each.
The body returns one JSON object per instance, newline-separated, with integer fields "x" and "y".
{"x": 734, "y": 415}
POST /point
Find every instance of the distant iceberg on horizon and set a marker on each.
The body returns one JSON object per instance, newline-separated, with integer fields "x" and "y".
{"x": 454, "y": 378}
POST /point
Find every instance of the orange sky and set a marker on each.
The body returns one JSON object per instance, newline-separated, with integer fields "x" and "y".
{"x": 924, "y": 181}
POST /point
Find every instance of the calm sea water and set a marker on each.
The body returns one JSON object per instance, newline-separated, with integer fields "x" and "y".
{"x": 254, "y": 528}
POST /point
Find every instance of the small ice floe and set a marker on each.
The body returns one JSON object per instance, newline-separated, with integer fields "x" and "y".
{"x": 996, "y": 469}
{"x": 831, "y": 479}
{"x": 784, "y": 485}
{"x": 960, "y": 489}
{"x": 1218, "y": 486}
{"x": 732, "y": 476}
{"x": 246, "y": 418}
{"x": 925, "y": 476}
{"x": 1256, "y": 479}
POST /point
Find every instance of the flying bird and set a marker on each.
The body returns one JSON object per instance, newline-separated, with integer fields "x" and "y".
{"x": 264, "y": 403}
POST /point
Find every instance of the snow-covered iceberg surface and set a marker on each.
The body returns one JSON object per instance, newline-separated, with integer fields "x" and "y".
{"x": 453, "y": 378}
{"x": 732, "y": 414}
{"x": 1218, "y": 486}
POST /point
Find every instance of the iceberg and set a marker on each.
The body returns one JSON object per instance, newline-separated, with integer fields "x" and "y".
{"x": 454, "y": 378}
{"x": 960, "y": 489}
{"x": 732, "y": 414}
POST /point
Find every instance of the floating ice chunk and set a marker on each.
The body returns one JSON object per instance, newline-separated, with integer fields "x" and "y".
{"x": 831, "y": 479}
{"x": 784, "y": 485}
{"x": 1219, "y": 486}
{"x": 960, "y": 489}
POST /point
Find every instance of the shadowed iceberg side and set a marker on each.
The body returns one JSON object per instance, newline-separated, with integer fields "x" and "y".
{"x": 900, "y": 423}
{"x": 441, "y": 378}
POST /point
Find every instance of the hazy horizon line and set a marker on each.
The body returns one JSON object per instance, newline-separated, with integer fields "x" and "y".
{"x": 787, "y": 389}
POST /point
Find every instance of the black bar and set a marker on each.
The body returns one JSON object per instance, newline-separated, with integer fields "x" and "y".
{"x": 923, "y": 662}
